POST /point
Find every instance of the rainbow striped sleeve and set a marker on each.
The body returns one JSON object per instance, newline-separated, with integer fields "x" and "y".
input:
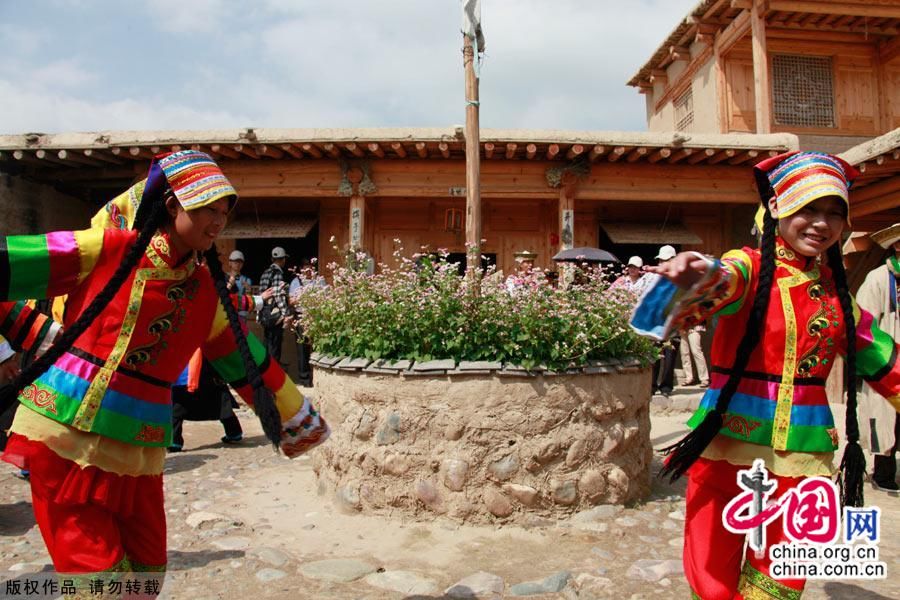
{"x": 221, "y": 351}
{"x": 44, "y": 266}
{"x": 876, "y": 357}
{"x": 303, "y": 427}
{"x": 26, "y": 328}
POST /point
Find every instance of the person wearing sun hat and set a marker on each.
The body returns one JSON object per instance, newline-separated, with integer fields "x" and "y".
{"x": 784, "y": 312}
{"x": 879, "y": 424}
{"x": 96, "y": 414}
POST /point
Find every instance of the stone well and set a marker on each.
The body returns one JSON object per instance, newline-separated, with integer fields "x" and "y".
{"x": 481, "y": 442}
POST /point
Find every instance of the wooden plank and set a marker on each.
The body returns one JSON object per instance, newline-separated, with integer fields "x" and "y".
{"x": 680, "y": 155}
{"x": 73, "y": 156}
{"x": 762, "y": 90}
{"x": 511, "y": 150}
{"x": 700, "y": 156}
{"x": 246, "y": 150}
{"x": 720, "y": 156}
{"x": 444, "y": 147}
{"x": 489, "y": 149}
{"x": 743, "y": 157}
{"x": 98, "y": 154}
{"x": 530, "y": 151}
{"x": 872, "y": 8}
{"x": 421, "y": 150}
{"x": 732, "y": 34}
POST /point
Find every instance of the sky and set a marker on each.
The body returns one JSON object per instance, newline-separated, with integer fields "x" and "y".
{"x": 90, "y": 65}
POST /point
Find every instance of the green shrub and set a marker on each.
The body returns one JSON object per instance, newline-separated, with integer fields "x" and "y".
{"x": 423, "y": 310}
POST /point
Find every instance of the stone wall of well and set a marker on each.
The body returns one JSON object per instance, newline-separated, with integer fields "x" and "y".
{"x": 482, "y": 442}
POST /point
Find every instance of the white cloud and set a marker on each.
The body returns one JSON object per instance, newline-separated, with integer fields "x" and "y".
{"x": 340, "y": 63}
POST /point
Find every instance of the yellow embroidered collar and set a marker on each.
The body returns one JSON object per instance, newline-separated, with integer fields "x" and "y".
{"x": 786, "y": 255}
{"x": 160, "y": 253}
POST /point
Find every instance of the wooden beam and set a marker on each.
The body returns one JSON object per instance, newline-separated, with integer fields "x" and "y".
{"x": 876, "y": 197}
{"x": 292, "y": 150}
{"x": 720, "y": 156}
{"x": 315, "y": 152}
{"x": 270, "y": 151}
{"x": 596, "y": 152}
{"x": 679, "y": 53}
{"x": 659, "y": 76}
{"x": 488, "y": 150}
{"x": 636, "y": 154}
{"x": 659, "y": 155}
{"x": 73, "y": 156}
{"x": 700, "y": 156}
{"x": 175, "y": 148}
{"x": 246, "y": 150}
{"x": 616, "y": 154}
{"x": 224, "y": 151}
{"x": 444, "y": 147}
{"x": 331, "y": 149}
{"x": 421, "y": 150}
{"x": 96, "y": 153}
{"x": 51, "y": 157}
{"x": 761, "y": 87}
{"x": 574, "y": 151}
{"x": 873, "y": 8}
{"x": 889, "y": 50}
{"x": 375, "y": 148}
{"x": 552, "y": 151}
{"x": 743, "y": 157}
{"x": 511, "y": 150}
{"x": 530, "y": 151}
{"x": 354, "y": 149}
{"x": 398, "y": 149}
{"x": 732, "y": 34}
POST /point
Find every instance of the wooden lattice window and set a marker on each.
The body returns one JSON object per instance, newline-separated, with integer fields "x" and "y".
{"x": 684, "y": 111}
{"x": 803, "y": 90}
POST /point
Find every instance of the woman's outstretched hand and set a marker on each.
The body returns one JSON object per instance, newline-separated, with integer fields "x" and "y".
{"x": 686, "y": 269}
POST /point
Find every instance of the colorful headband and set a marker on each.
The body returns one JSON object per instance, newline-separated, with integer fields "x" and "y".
{"x": 193, "y": 176}
{"x": 798, "y": 178}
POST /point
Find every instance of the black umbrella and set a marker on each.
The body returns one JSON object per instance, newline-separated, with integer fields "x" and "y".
{"x": 586, "y": 255}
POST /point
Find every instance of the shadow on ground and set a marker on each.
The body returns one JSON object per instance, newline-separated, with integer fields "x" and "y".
{"x": 16, "y": 519}
{"x": 180, "y": 560}
{"x": 178, "y": 463}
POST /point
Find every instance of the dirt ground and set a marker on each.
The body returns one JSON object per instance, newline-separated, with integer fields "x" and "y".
{"x": 244, "y": 522}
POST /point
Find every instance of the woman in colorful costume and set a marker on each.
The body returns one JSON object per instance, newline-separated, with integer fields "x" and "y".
{"x": 97, "y": 414}
{"x": 767, "y": 395}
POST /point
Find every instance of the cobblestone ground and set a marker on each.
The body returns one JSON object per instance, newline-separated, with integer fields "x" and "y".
{"x": 246, "y": 523}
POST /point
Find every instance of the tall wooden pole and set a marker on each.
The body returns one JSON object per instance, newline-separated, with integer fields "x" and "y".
{"x": 473, "y": 162}
{"x": 761, "y": 89}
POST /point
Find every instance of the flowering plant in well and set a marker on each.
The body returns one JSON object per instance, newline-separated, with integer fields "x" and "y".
{"x": 421, "y": 309}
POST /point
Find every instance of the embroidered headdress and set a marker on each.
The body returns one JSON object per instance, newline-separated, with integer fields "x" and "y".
{"x": 798, "y": 178}
{"x": 194, "y": 177}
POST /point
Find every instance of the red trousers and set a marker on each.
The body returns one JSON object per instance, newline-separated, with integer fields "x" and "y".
{"x": 713, "y": 556}
{"x": 92, "y": 520}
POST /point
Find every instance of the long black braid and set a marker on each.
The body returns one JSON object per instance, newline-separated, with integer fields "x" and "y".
{"x": 687, "y": 450}
{"x": 263, "y": 399}
{"x": 853, "y": 463}
{"x": 152, "y": 217}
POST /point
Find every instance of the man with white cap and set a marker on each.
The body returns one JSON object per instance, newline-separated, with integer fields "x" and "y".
{"x": 273, "y": 278}
{"x": 633, "y": 278}
{"x": 664, "y": 368}
{"x": 879, "y": 424}
{"x": 238, "y": 283}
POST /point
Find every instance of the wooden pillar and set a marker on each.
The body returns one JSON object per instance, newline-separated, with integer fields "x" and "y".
{"x": 567, "y": 212}
{"x": 761, "y": 84}
{"x": 357, "y": 211}
{"x": 473, "y": 161}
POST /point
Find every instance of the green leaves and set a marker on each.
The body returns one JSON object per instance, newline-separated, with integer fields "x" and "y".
{"x": 425, "y": 311}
